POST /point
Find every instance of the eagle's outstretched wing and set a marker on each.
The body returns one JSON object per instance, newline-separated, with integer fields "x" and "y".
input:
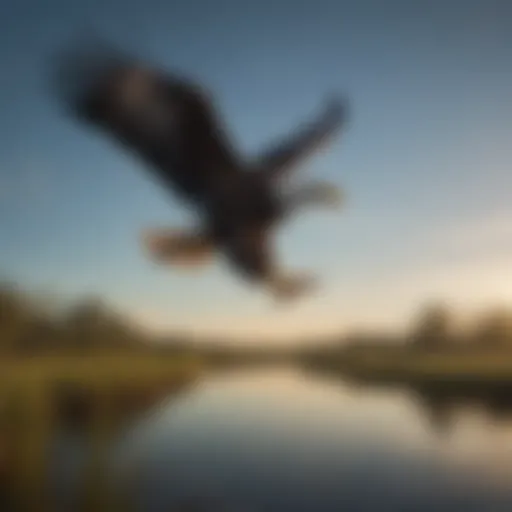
{"x": 169, "y": 122}
{"x": 285, "y": 155}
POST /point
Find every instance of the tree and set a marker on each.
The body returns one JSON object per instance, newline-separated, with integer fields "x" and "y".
{"x": 16, "y": 313}
{"x": 91, "y": 324}
{"x": 494, "y": 329}
{"x": 433, "y": 328}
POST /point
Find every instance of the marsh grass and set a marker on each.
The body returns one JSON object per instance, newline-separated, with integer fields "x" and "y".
{"x": 95, "y": 393}
{"x": 409, "y": 365}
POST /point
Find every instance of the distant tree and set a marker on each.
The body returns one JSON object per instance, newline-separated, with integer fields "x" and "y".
{"x": 433, "y": 328}
{"x": 40, "y": 334}
{"x": 494, "y": 329}
{"x": 91, "y": 324}
{"x": 29, "y": 324}
{"x": 16, "y": 315}
{"x": 83, "y": 322}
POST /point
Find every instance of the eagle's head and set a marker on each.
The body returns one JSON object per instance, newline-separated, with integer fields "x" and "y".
{"x": 96, "y": 82}
{"x": 114, "y": 92}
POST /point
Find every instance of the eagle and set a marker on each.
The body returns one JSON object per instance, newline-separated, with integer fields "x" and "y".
{"x": 172, "y": 125}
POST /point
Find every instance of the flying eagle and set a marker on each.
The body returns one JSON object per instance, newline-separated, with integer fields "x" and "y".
{"x": 172, "y": 125}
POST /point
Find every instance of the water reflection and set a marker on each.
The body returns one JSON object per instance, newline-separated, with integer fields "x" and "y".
{"x": 444, "y": 400}
{"x": 476, "y": 424}
{"x": 279, "y": 440}
{"x": 76, "y": 436}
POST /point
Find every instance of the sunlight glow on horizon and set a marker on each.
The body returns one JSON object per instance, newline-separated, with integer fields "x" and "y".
{"x": 471, "y": 281}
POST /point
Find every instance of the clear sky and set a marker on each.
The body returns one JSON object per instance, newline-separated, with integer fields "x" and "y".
{"x": 426, "y": 162}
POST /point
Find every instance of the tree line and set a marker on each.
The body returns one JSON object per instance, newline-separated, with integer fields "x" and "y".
{"x": 436, "y": 327}
{"x": 28, "y": 325}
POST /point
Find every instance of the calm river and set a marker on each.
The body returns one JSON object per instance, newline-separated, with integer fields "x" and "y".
{"x": 281, "y": 439}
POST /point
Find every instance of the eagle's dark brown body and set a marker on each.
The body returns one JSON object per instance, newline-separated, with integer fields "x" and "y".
{"x": 172, "y": 125}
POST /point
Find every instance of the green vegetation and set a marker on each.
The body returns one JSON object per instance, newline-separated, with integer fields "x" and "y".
{"x": 439, "y": 363}
{"x": 83, "y": 367}
{"x": 435, "y": 350}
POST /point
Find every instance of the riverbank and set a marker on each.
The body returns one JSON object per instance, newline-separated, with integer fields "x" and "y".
{"x": 96, "y": 394}
{"x": 401, "y": 365}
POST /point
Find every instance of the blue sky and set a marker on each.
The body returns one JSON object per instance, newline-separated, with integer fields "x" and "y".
{"x": 426, "y": 162}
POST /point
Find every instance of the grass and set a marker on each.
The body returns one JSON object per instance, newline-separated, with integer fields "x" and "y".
{"x": 95, "y": 368}
{"x": 405, "y": 365}
{"x": 95, "y": 393}
{"x": 98, "y": 392}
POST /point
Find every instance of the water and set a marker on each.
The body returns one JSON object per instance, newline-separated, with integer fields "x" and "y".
{"x": 282, "y": 439}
